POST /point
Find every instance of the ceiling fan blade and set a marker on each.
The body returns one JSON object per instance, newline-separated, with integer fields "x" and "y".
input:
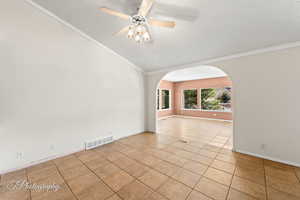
{"x": 167, "y": 24}
{"x": 145, "y": 7}
{"x": 123, "y": 30}
{"x": 115, "y": 13}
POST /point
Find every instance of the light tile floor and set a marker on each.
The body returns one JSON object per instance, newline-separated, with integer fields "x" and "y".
{"x": 189, "y": 159}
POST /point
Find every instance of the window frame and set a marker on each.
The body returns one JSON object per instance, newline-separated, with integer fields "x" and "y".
{"x": 199, "y": 102}
{"x": 159, "y": 98}
{"x": 158, "y": 102}
{"x": 183, "y": 100}
{"x": 221, "y": 111}
{"x": 170, "y": 99}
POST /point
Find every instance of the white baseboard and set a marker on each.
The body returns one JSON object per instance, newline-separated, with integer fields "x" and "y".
{"x": 191, "y": 117}
{"x": 268, "y": 158}
{"x": 166, "y": 117}
{"x": 127, "y": 135}
{"x": 56, "y": 156}
{"x": 81, "y": 149}
{"x": 40, "y": 161}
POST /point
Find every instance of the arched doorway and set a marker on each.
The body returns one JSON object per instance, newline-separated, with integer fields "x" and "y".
{"x": 196, "y": 105}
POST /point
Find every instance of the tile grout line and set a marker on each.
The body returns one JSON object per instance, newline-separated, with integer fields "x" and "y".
{"x": 276, "y": 189}
{"x": 266, "y": 186}
{"x": 249, "y": 181}
{"x": 265, "y": 178}
{"x": 231, "y": 182}
{"x": 199, "y": 182}
{"x": 154, "y": 191}
{"x": 143, "y": 164}
{"x": 188, "y": 160}
{"x": 193, "y": 188}
{"x": 233, "y": 174}
{"x": 188, "y": 196}
{"x": 146, "y": 146}
{"x": 215, "y": 158}
{"x": 298, "y": 177}
{"x": 114, "y": 193}
{"x": 26, "y": 171}
{"x": 152, "y": 168}
{"x": 65, "y": 181}
{"x": 293, "y": 195}
{"x": 217, "y": 153}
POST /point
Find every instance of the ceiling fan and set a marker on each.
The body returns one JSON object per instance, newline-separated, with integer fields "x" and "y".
{"x": 139, "y": 23}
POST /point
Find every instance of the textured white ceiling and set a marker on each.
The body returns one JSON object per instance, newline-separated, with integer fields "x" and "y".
{"x": 194, "y": 73}
{"x": 206, "y": 29}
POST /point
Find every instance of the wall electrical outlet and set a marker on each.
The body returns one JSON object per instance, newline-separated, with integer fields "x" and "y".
{"x": 52, "y": 147}
{"x": 19, "y": 155}
{"x": 263, "y": 146}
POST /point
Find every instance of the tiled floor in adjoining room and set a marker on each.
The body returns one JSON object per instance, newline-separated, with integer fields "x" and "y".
{"x": 189, "y": 159}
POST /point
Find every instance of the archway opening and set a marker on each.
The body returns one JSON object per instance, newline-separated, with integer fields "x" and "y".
{"x": 195, "y": 105}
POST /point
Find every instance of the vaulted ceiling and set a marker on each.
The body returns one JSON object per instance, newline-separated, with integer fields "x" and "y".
{"x": 205, "y": 29}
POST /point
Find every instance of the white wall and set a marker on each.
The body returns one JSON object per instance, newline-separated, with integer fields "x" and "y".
{"x": 59, "y": 88}
{"x": 266, "y": 103}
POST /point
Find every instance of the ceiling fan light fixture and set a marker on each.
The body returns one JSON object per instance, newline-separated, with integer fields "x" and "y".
{"x": 146, "y": 36}
{"x": 139, "y": 33}
{"x": 138, "y": 29}
{"x": 130, "y": 33}
{"x": 138, "y": 38}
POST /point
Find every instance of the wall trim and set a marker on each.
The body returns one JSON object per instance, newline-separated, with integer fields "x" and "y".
{"x": 170, "y": 68}
{"x": 26, "y": 165}
{"x": 29, "y": 164}
{"x": 268, "y": 158}
{"x": 218, "y": 59}
{"x": 84, "y": 35}
{"x": 127, "y": 135}
{"x": 166, "y": 117}
{"x": 191, "y": 117}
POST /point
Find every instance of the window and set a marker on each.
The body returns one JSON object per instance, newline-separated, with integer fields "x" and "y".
{"x": 157, "y": 100}
{"x": 190, "y": 98}
{"x": 216, "y": 99}
{"x": 165, "y": 99}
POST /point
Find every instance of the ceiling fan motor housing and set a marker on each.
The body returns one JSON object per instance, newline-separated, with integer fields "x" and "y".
{"x": 138, "y": 20}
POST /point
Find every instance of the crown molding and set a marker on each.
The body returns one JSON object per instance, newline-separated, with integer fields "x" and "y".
{"x": 86, "y": 36}
{"x": 170, "y": 68}
{"x": 214, "y": 60}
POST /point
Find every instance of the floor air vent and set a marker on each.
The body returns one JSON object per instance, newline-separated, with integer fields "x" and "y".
{"x": 99, "y": 142}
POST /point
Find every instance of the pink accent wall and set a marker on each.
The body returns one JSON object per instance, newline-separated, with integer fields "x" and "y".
{"x": 201, "y": 83}
{"x": 176, "y": 102}
{"x": 170, "y": 86}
